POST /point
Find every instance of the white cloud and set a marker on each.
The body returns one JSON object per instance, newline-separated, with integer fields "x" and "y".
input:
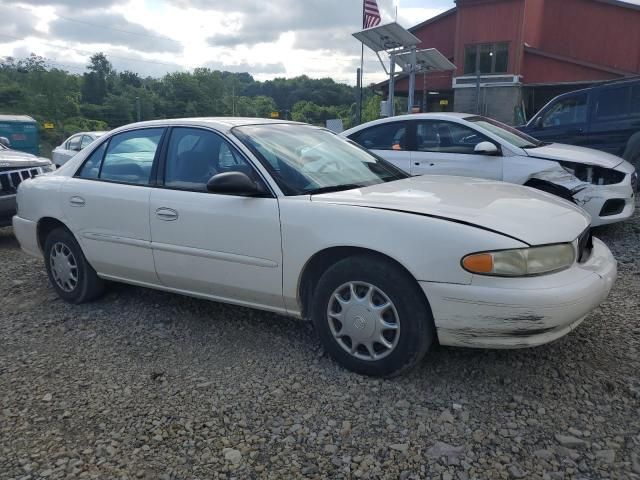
{"x": 152, "y": 37}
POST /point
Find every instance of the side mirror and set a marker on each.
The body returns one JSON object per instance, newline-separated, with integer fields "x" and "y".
{"x": 486, "y": 148}
{"x": 5, "y": 141}
{"x": 235, "y": 183}
{"x": 538, "y": 123}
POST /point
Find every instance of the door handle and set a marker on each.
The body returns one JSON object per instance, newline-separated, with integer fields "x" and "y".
{"x": 417, "y": 164}
{"x": 166, "y": 214}
{"x": 76, "y": 201}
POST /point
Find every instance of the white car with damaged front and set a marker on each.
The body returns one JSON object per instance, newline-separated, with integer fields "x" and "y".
{"x": 475, "y": 146}
{"x": 293, "y": 219}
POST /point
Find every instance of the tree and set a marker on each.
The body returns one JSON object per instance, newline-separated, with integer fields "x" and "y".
{"x": 96, "y": 82}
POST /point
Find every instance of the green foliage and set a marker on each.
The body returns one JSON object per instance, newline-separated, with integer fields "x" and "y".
{"x": 103, "y": 98}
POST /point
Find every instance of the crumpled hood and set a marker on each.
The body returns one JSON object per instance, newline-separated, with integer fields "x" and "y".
{"x": 575, "y": 154}
{"x": 531, "y": 216}
{"x": 14, "y": 158}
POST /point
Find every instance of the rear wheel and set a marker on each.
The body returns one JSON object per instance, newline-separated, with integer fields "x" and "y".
{"x": 69, "y": 272}
{"x": 372, "y": 316}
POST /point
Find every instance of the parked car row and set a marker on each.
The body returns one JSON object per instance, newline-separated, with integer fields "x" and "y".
{"x": 293, "y": 219}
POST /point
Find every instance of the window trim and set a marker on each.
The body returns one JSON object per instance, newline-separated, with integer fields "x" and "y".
{"x": 481, "y": 134}
{"x": 107, "y": 141}
{"x": 477, "y": 47}
{"x": 161, "y": 167}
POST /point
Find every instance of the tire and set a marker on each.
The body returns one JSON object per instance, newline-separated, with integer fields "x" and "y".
{"x": 632, "y": 152}
{"x": 74, "y": 279}
{"x": 409, "y": 313}
{"x": 557, "y": 190}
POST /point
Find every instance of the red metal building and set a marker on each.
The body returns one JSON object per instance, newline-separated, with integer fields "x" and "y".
{"x": 525, "y": 52}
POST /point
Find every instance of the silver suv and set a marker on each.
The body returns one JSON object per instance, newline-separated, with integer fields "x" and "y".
{"x": 16, "y": 167}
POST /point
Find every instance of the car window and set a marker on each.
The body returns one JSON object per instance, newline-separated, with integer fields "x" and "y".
{"x": 195, "y": 155}
{"x": 567, "y": 111}
{"x": 505, "y": 132}
{"x": 446, "y": 137}
{"x": 387, "y": 136}
{"x": 86, "y": 140}
{"x": 130, "y": 155}
{"x": 612, "y": 103}
{"x": 91, "y": 167}
{"x": 635, "y": 100}
{"x": 74, "y": 143}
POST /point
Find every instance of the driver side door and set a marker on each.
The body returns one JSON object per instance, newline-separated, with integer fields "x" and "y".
{"x": 447, "y": 148}
{"x": 564, "y": 121}
{"x": 221, "y": 246}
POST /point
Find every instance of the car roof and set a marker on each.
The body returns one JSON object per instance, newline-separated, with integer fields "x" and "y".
{"x": 95, "y": 133}
{"x": 413, "y": 116}
{"x": 16, "y": 118}
{"x": 219, "y": 123}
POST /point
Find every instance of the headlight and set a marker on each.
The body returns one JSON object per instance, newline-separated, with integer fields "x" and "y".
{"x": 521, "y": 262}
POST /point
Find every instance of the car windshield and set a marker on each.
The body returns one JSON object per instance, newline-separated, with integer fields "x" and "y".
{"x": 505, "y": 132}
{"x": 305, "y": 160}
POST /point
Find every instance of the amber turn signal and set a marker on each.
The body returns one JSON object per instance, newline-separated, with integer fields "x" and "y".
{"x": 478, "y": 263}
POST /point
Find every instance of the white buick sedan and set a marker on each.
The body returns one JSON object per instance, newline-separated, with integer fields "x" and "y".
{"x": 293, "y": 219}
{"x": 479, "y": 147}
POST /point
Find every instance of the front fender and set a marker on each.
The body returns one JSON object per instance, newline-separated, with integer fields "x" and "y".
{"x": 429, "y": 248}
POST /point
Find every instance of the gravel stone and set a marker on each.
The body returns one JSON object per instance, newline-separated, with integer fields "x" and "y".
{"x": 569, "y": 441}
{"x": 151, "y": 385}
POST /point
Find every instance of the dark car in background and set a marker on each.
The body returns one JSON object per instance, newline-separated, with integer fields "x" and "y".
{"x": 605, "y": 117}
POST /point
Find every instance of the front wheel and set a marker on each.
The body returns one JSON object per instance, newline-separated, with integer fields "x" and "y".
{"x": 69, "y": 272}
{"x": 372, "y": 317}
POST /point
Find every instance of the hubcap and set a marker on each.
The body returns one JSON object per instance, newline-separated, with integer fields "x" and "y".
{"x": 64, "y": 267}
{"x": 363, "y": 320}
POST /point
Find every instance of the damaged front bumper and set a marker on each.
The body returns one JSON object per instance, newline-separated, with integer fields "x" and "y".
{"x": 496, "y": 312}
{"x": 605, "y": 202}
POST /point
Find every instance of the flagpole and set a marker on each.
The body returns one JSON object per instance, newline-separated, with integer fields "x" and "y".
{"x": 361, "y": 69}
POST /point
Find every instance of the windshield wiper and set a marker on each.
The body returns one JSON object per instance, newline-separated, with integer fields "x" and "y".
{"x": 333, "y": 188}
{"x": 537, "y": 145}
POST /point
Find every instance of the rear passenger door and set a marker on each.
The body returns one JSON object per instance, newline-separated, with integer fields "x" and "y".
{"x": 447, "y": 148}
{"x": 389, "y": 140}
{"x": 613, "y": 120}
{"x": 107, "y": 205}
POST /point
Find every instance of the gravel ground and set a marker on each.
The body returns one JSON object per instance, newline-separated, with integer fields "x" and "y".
{"x": 145, "y": 384}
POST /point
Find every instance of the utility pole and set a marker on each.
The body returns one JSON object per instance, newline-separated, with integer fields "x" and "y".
{"x": 392, "y": 86}
{"x": 138, "y": 109}
{"x": 359, "y": 98}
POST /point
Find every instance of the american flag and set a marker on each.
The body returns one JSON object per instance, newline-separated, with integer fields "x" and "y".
{"x": 371, "y": 14}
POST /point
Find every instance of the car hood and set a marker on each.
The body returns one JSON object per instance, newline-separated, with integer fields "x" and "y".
{"x": 572, "y": 153}
{"x": 14, "y": 158}
{"x": 528, "y": 215}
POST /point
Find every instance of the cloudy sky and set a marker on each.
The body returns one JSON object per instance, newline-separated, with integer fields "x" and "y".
{"x": 268, "y": 38}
